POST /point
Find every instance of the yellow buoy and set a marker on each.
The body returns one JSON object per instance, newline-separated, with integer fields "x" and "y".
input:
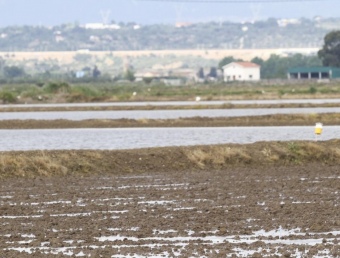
{"x": 318, "y": 128}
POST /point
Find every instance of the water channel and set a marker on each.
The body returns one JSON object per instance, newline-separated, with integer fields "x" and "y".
{"x": 161, "y": 114}
{"x": 134, "y": 138}
{"x": 180, "y": 103}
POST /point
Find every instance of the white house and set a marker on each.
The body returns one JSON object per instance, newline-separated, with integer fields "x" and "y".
{"x": 241, "y": 71}
{"x": 101, "y": 26}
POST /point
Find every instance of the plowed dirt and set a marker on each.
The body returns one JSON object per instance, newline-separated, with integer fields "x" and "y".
{"x": 285, "y": 211}
{"x": 260, "y": 200}
{"x": 267, "y": 120}
{"x": 239, "y": 210}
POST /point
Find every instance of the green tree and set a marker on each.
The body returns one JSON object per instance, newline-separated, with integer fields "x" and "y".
{"x": 213, "y": 72}
{"x": 277, "y": 66}
{"x": 257, "y": 60}
{"x": 7, "y": 97}
{"x": 129, "y": 75}
{"x": 147, "y": 80}
{"x": 200, "y": 73}
{"x": 273, "y": 68}
{"x": 330, "y": 52}
{"x": 56, "y": 87}
{"x": 227, "y": 60}
{"x": 95, "y": 72}
{"x": 13, "y": 71}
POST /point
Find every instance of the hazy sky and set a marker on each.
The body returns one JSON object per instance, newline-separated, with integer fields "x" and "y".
{"x": 54, "y": 12}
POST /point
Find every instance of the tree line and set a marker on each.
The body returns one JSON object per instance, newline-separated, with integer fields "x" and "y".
{"x": 211, "y": 35}
{"x": 275, "y": 67}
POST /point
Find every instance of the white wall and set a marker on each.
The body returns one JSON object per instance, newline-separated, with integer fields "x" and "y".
{"x": 235, "y": 72}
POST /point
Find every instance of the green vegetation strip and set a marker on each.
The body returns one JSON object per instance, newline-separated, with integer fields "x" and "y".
{"x": 32, "y": 164}
{"x": 62, "y": 92}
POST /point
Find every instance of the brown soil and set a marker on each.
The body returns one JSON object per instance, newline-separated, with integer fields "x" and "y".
{"x": 267, "y": 120}
{"x": 173, "y": 211}
{"x": 14, "y": 108}
{"x": 172, "y": 201}
{"x": 30, "y": 164}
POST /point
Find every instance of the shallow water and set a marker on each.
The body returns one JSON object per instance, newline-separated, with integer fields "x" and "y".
{"x": 179, "y": 103}
{"x": 160, "y": 114}
{"x": 133, "y": 138}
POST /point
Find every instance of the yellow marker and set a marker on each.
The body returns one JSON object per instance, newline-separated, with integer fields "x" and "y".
{"x": 318, "y": 128}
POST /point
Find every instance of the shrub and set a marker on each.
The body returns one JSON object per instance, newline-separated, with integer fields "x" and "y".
{"x": 81, "y": 93}
{"x": 13, "y": 71}
{"x": 31, "y": 92}
{"x": 312, "y": 90}
{"x": 7, "y": 97}
{"x": 147, "y": 80}
{"x": 57, "y": 87}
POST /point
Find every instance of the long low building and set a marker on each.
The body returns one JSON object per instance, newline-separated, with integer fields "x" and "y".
{"x": 316, "y": 72}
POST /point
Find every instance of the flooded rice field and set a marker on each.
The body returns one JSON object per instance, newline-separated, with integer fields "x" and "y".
{"x": 161, "y": 114}
{"x": 179, "y": 103}
{"x": 134, "y": 138}
{"x": 257, "y": 211}
{"x": 239, "y": 212}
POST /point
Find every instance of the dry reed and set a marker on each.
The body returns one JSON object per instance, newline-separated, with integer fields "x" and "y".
{"x": 91, "y": 162}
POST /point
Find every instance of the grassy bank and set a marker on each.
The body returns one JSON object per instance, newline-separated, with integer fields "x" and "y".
{"x": 89, "y": 162}
{"x": 96, "y": 91}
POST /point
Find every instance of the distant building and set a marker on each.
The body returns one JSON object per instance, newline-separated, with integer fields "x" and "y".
{"x": 58, "y": 36}
{"x": 182, "y": 24}
{"x": 315, "y": 72}
{"x": 184, "y": 73}
{"x": 241, "y": 71}
{"x": 285, "y": 22}
{"x": 151, "y": 74}
{"x": 94, "y": 39}
{"x": 175, "y": 77}
{"x": 80, "y": 74}
{"x": 83, "y": 51}
{"x": 101, "y": 26}
{"x": 173, "y": 82}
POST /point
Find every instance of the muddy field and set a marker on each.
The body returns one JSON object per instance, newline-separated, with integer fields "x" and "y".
{"x": 266, "y": 120}
{"x": 259, "y": 200}
{"x": 240, "y": 211}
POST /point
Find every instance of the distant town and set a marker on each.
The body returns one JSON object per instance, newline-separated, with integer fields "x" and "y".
{"x": 271, "y": 33}
{"x": 173, "y": 54}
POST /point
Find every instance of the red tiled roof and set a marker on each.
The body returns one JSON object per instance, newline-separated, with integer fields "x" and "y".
{"x": 247, "y": 64}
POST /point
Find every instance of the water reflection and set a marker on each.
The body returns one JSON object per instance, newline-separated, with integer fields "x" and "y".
{"x": 133, "y": 138}
{"x": 161, "y": 114}
{"x": 181, "y": 103}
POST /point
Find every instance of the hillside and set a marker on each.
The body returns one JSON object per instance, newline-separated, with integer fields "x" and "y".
{"x": 272, "y": 33}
